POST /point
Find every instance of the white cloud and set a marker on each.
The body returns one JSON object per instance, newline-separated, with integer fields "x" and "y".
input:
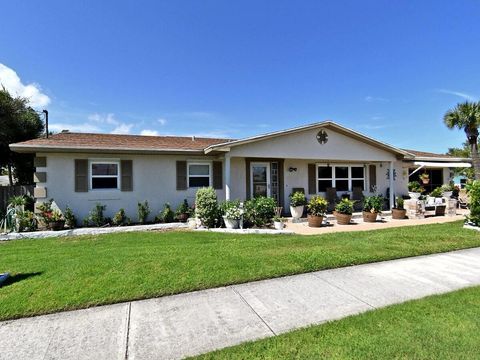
{"x": 105, "y": 119}
{"x": 57, "y": 127}
{"x": 375, "y": 99}
{"x": 148, "y": 132}
{"x": 456, "y": 93}
{"x": 11, "y": 81}
{"x": 162, "y": 121}
{"x": 122, "y": 129}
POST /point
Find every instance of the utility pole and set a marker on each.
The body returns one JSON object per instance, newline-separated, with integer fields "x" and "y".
{"x": 46, "y": 121}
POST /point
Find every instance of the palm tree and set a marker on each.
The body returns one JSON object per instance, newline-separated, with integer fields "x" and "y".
{"x": 466, "y": 116}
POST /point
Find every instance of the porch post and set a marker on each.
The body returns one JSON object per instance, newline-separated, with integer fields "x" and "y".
{"x": 392, "y": 190}
{"x": 227, "y": 176}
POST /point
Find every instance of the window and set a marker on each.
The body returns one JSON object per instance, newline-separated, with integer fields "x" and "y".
{"x": 341, "y": 177}
{"x": 199, "y": 174}
{"x": 104, "y": 175}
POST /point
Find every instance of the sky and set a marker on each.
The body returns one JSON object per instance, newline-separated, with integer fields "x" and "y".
{"x": 388, "y": 69}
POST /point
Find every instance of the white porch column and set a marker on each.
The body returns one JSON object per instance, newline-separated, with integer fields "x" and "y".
{"x": 227, "y": 176}
{"x": 392, "y": 189}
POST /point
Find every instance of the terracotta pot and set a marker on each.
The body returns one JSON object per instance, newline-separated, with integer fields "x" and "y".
{"x": 425, "y": 181}
{"x": 369, "y": 216}
{"x": 314, "y": 221}
{"x": 342, "y": 219}
{"x": 399, "y": 214}
{"x": 182, "y": 217}
{"x": 56, "y": 225}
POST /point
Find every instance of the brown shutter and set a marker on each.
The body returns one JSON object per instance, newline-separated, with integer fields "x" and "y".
{"x": 372, "y": 174}
{"x": 81, "y": 175}
{"x": 312, "y": 181}
{"x": 217, "y": 175}
{"x": 181, "y": 175}
{"x": 126, "y": 170}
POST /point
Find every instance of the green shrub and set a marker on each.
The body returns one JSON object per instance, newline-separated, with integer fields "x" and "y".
{"x": 96, "y": 217}
{"x": 25, "y": 221}
{"x": 298, "y": 199}
{"x": 166, "y": 215}
{"x": 317, "y": 206}
{"x": 143, "y": 210}
{"x": 345, "y": 206}
{"x": 70, "y": 219}
{"x": 414, "y": 186}
{"x": 183, "y": 208}
{"x": 206, "y": 207}
{"x": 231, "y": 209}
{"x": 399, "y": 203}
{"x": 120, "y": 218}
{"x": 437, "y": 192}
{"x": 17, "y": 200}
{"x": 260, "y": 211}
{"x": 473, "y": 190}
{"x": 373, "y": 204}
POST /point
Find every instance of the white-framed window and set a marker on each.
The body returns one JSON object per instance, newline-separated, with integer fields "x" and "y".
{"x": 199, "y": 174}
{"x": 340, "y": 176}
{"x": 104, "y": 174}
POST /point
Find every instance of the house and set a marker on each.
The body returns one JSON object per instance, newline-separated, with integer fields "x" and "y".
{"x": 80, "y": 170}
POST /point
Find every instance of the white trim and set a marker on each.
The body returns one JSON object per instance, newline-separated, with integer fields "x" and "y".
{"x": 267, "y": 165}
{"x": 443, "y": 165}
{"x": 91, "y": 176}
{"x": 334, "y": 178}
{"x": 209, "y": 163}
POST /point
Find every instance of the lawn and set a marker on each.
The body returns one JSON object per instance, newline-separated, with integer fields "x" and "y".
{"x": 438, "y": 327}
{"x": 69, "y": 273}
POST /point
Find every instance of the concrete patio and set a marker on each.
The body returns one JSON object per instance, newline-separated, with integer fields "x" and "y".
{"x": 177, "y": 326}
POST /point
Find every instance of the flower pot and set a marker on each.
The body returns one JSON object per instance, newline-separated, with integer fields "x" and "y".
{"x": 342, "y": 219}
{"x": 182, "y": 217}
{"x": 447, "y": 194}
{"x": 296, "y": 211}
{"x": 56, "y": 225}
{"x": 414, "y": 195}
{"x": 425, "y": 181}
{"x": 369, "y": 216}
{"x": 278, "y": 225}
{"x": 399, "y": 214}
{"x": 231, "y": 223}
{"x": 314, "y": 221}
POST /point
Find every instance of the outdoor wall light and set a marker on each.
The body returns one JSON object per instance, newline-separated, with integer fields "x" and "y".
{"x": 292, "y": 169}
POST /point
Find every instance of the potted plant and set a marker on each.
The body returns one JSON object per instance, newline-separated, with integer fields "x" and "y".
{"x": 424, "y": 178}
{"x": 343, "y": 211}
{"x": 297, "y": 204}
{"x": 437, "y": 192}
{"x": 56, "y": 220}
{"x": 183, "y": 211}
{"x": 278, "y": 223}
{"x": 399, "y": 212}
{"x": 372, "y": 206}
{"x": 232, "y": 214}
{"x": 448, "y": 189}
{"x": 414, "y": 190}
{"x": 317, "y": 206}
{"x": 18, "y": 202}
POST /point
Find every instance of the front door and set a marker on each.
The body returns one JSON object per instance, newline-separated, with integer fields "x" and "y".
{"x": 260, "y": 178}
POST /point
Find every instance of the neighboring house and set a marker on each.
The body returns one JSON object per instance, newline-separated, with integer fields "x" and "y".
{"x": 80, "y": 170}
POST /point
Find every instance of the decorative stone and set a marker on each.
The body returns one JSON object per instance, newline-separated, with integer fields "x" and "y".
{"x": 40, "y": 192}
{"x": 415, "y": 209}
{"x": 451, "y": 207}
{"x": 40, "y": 177}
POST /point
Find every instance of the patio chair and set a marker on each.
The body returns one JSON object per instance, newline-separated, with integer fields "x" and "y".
{"x": 331, "y": 197}
{"x": 357, "y": 196}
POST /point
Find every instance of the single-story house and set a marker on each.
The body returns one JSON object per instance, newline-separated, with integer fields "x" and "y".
{"x": 80, "y": 169}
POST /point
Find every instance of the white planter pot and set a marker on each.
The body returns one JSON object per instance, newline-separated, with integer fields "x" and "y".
{"x": 414, "y": 195}
{"x": 296, "y": 211}
{"x": 278, "y": 225}
{"x": 447, "y": 194}
{"x": 231, "y": 224}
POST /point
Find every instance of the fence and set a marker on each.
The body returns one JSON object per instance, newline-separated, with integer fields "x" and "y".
{"x": 6, "y": 192}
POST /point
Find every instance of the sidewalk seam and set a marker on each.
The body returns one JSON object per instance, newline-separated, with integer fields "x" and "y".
{"x": 345, "y": 291}
{"x": 250, "y": 306}
{"x": 129, "y": 311}
{"x": 50, "y": 343}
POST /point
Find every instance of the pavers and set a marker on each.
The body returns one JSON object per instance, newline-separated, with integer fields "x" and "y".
{"x": 176, "y": 326}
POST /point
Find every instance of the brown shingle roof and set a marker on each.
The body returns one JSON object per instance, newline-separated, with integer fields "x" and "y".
{"x": 428, "y": 154}
{"x": 70, "y": 140}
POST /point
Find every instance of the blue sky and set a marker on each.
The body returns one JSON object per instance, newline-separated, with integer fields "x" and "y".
{"x": 389, "y": 69}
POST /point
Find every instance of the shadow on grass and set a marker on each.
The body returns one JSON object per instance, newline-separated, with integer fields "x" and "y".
{"x": 19, "y": 277}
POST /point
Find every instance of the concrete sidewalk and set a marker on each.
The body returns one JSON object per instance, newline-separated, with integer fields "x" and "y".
{"x": 193, "y": 323}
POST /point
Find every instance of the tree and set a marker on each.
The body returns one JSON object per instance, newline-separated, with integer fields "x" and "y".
{"x": 18, "y": 122}
{"x": 466, "y": 116}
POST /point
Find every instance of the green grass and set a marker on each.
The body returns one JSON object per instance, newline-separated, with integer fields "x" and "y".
{"x": 438, "y": 327}
{"x": 69, "y": 273}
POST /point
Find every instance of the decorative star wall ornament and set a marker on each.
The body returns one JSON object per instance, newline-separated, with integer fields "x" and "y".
{"x": 394, "y": 174}
{"x": 322, "y": 137}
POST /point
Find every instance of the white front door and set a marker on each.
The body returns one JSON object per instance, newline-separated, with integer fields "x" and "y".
{"x": 260, "y": 179}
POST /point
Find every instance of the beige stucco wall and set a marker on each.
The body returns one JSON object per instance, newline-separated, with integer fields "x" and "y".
{"x": 154, "y": 179}
{"x": 304, "y": 145}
